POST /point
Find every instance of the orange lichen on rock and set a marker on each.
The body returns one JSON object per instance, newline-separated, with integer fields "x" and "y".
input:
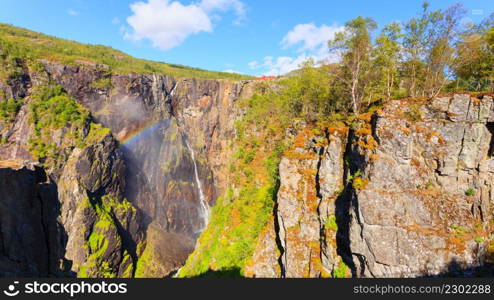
{"x": 364, "y": 131}
{"x": 367, "y": 117}
{"x": 374, "y": 157}
{"x": 338, "y": 130}
{"x": 368, "y": 143}
{"x": 204, "y": 101}
{"x": 299, "y": 156}
{"x": 406, "y": 130}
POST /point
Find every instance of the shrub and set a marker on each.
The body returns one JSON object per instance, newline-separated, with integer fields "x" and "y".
{"x": 9, "y": 109}
{"x": 470, "y": 192}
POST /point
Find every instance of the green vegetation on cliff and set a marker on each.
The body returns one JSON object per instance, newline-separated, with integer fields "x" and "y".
{"x": 53, "y": 112}
{"x": 412, "y": 59}
{"x": 9, "y": 109}
{"x": 59, "y": 123}
{"x": 243, "y": 212}
{"x": 104, "y": 238}
{"x": 18, "y": 43}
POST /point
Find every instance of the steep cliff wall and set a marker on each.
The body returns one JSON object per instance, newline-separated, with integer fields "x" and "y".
{"x": 407, "y": 193}
{"x": 30, "y": 236}
{"x": 173, "y": 138}
{"x": 156, "y": 118}
{"x": 427, "y": 207}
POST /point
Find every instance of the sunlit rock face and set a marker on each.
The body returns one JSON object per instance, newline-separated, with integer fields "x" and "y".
{"x": 428, "y": 206}
{"x": 154, "y": 118}
{"x": 409, "y": 194}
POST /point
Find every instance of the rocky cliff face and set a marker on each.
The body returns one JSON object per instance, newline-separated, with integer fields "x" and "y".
{"x": 427, "y": 207}
{"x": 168, "y": 130}
{"x": 407, "y": 194}
{"x": 172, "y": 138}
{"x": 31, "y": 239}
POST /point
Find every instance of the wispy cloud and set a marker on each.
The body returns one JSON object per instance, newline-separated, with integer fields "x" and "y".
{"x": 167, "y": 24}
{"x": 271, "y": 66}
{"x": 308, "y": 41}
{"x": 72, "y": 12}
{"x": 310, "y": 37}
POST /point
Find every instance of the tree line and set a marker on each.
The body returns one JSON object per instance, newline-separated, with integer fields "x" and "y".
{"x": 434, "y": 52}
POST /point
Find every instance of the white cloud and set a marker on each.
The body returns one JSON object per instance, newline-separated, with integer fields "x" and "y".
{"x": 312, "y": 43}
{"x": 309, "y": 36}
{"x": 280, "y": 65}
{"x": 237, "y": 6}
{"x": 72, "y": 12}
{"x": 168, "y": 24}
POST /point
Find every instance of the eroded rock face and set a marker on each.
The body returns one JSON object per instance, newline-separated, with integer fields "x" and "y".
{"x": 311, "y": 178}
{"x": 153, "y": 117}
{"x": 103, "y": 228}
{"x": 427, "y": 206}
{"x": 407, "y": 194}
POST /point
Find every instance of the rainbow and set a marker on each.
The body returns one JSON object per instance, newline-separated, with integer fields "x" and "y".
{"x": 135, "y": 134}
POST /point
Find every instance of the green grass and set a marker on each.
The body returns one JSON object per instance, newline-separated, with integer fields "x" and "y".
{"x": 21, "y": 43}
{"x": 98, "y": 262}
{"x": 459, "y": 230}
{"x": 145, "y": 263}
{"x": 98, "y": 244}
{"x": 245, "y": 217}
{"x": 96, "y": 133}
{"x": 104, "y": 82}
{"x": 479, "y": 239}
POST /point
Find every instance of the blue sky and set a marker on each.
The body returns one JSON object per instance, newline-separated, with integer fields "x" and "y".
{"x": 248, "y": 36}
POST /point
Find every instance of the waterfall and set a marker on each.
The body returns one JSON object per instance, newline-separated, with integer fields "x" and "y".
{"x": 204, "y": 204}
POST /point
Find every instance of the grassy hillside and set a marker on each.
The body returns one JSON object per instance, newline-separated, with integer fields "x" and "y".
{"x": 23, "y": 43}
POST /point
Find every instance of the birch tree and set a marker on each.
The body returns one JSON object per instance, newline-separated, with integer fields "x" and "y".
{"x": 355, "y": 46}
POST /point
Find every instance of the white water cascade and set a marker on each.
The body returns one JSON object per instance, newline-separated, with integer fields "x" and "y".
{"x": 204, "y": 204}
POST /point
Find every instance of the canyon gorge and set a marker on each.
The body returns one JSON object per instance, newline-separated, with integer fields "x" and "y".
{"x": 409, "y": 193}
